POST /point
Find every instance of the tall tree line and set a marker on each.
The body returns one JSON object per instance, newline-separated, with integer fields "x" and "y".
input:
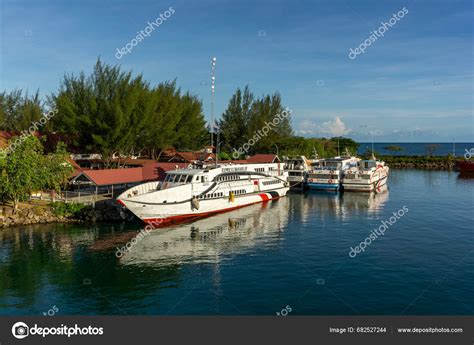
{"x": 18, "y": 110}
{"x": 112, "y": 112}
{"x": 246, "y": 115}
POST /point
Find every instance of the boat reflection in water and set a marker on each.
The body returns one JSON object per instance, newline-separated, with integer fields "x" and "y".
{"x": 369, "y": 202}
{"x": 209, "y": 239}
{"x": 346, "y": 205}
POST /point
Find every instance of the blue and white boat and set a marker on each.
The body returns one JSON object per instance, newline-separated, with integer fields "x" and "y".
{"x": 328, "y": 175}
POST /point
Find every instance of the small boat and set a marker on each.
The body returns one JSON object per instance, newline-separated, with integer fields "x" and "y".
{"x": 199, "y": 191}
{"x": 297, "y": 168}
{"x": 328, "y": 174}
{"x": 369, "y": 175}
{"x": 465, "y": 167}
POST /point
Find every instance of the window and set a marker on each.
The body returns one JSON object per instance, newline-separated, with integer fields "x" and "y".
{"x": 189, "y": 178}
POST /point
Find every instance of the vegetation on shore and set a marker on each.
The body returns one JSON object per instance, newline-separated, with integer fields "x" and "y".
{"x": 112, "y": 112}
{"x": 420, "y": 162}
{"x": 27, "y": 169}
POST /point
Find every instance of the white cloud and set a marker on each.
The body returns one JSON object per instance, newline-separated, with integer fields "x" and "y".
{"x": 334, "y": 128}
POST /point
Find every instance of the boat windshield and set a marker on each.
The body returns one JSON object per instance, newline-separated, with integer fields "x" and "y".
{"x": 178, "y": 178}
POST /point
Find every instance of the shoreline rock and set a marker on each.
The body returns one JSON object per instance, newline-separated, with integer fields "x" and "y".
{"x": 104, "y": 211}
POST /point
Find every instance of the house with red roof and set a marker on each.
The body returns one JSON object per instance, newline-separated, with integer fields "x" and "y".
{"x": 111, "y": 180}
{"x": 263, "y": 158}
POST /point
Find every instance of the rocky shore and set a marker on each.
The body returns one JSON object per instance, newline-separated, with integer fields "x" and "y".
{"x": 419, "y": 162}
{"x": 104, "y": 211}
{"x": 421, "y": 165}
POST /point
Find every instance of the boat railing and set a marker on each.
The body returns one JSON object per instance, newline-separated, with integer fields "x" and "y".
{"x": 140, "y": 189}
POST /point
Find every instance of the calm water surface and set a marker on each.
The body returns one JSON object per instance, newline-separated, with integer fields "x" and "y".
{"x": 260, "y": 259}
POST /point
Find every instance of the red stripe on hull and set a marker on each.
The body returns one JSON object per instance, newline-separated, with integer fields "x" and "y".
{"x": 264, "y": 197}
{"x": 160, "y": 222}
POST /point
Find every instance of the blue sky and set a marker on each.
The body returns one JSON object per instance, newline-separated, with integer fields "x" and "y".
{"x": 413, "y": 84}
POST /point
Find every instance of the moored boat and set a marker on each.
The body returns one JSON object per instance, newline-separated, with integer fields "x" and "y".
{"x": 297, "y": 168}
{"x": 198, "y": 192}
{"x": 369, "y": 175}
{"x": 465, "y": 167}
{"x": 328, "y": 175}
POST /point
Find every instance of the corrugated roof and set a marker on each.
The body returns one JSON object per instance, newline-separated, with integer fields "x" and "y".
{"x": 150, "y": 172}
{"x": 106, "y": 177}
{"x": 263, "y": 158}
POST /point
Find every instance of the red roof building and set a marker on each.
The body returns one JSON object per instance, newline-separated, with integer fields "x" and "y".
{"x": 123, "y": 178}
{"x": 263, "y": 158}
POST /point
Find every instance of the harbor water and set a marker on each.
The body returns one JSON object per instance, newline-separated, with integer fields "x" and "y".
{"x": 289, "y": 257}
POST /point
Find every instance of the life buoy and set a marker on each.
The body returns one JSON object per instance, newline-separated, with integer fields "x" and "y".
{"x": 330, "y": 181}
{"x": 310, "y": 180}
{"x": 331, "y": 172}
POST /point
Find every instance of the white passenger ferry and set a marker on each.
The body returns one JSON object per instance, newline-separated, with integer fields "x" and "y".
{"x": 297, "y": 168}
{"x": 368, "y": 176}
{"x": 328, "y": 175}
{"x": 197, "y": 192}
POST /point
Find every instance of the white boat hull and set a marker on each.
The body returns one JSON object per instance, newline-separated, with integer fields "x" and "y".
{"x": 159, "y": 214}
{"x": 377, "y": 180}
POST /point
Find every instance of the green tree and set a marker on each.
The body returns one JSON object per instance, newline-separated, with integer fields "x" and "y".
{"x": 55, "y": 169}
{"x": 174, "y": 120}
{"x": 246, "y": 117}
{"x": 234, "y": 126}
{"x": 342, "y": 144}
{"x": 20, "y": 170}
{"x": 111, "y": 112}
{"x": 18, "y": 110}
{"x": 105, "y": 111}
{"x": 25, "y": 169}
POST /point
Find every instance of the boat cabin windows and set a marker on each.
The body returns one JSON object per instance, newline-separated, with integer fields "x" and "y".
{"x": 332, "y": 165}
{"x": 259, "y": 169}
{"x": 324, "y": 176}
{"x": 178, "y": 178}
{"x": 211, "y": 195}
{"x": 267, "y": 183}
{"x": 228, "y": 178}
{"x": 368, "y": 164}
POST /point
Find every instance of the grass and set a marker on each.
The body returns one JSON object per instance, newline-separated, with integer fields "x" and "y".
{"x": 61, "y": 209}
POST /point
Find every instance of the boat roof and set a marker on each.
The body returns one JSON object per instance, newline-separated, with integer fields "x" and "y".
{"x": 186, "y": 171}
{"x": 336, "y": 159}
